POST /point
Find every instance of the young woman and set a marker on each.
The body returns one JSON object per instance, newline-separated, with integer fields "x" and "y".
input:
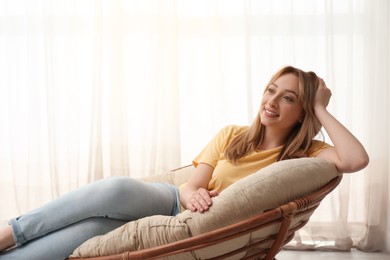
{"x": 291, "y": 114}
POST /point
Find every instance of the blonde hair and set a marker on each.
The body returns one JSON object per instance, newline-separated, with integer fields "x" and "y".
{"x": 301, "y": 136}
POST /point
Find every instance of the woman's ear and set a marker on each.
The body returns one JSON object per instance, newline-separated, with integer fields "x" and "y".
{"x": 302, "y": 117}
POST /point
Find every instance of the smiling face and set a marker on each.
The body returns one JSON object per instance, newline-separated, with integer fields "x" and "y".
{"x": 280, "y": 108}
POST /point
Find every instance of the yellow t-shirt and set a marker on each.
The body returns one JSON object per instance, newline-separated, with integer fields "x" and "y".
{"x": 225, "y": 173}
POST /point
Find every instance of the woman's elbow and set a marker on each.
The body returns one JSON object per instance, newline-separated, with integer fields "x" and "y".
{"x": 364, "y": 160}
{"x": 355, "y": 165}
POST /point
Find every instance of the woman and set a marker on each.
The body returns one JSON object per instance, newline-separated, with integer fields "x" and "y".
{"x": 292, "y": 112}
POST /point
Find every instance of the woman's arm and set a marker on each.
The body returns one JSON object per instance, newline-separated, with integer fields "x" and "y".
{"x": 194, "y": 195}
{"x": 348, "y": 153}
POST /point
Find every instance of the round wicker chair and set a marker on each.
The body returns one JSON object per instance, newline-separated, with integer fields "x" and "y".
{"x": 277, "y": 227}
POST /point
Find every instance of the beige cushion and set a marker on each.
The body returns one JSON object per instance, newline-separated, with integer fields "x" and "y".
{"x": 135, "y": 235}
{"x": 268, "y": 188}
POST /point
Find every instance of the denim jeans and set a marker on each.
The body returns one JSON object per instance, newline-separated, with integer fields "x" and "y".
{"x": 54, "y": 230}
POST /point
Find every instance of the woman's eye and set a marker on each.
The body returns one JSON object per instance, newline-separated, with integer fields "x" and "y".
{"x": 289, "y": 99}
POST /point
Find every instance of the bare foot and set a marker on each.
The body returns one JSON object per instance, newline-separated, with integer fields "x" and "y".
{"x": 6, "y": 238}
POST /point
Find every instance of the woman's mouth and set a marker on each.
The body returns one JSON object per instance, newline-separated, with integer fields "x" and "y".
{"x": 270, "y": 113}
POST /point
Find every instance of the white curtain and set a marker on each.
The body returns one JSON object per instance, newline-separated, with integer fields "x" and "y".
{"x": 90, "y": 89}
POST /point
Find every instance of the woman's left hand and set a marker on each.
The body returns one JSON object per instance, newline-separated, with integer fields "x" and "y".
{"x": 323, "y": 95}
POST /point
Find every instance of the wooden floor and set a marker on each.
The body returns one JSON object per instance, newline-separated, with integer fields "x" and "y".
{"x": 318, "y": 255}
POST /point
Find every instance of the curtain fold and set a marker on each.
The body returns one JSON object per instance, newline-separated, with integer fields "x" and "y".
{"x": 95, "y": 88}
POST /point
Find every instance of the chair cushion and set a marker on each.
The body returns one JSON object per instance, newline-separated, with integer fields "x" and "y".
{"x": 266, "y": 189}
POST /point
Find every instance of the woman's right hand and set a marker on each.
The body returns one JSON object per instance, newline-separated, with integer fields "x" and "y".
{"x": 194, "y": 195}
{"x": 200, "y": 200}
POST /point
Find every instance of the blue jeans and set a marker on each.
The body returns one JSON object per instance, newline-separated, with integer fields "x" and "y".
{"x": 56, "y": 229}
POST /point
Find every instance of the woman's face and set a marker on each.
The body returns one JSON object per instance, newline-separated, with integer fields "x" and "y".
{"x": 280, "y": 108}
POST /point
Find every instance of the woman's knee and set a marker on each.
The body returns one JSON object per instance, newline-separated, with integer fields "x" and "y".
{"x": 118, "y": 189}
{"x": 120, "y": 184}
{"x": 128, "y": 198}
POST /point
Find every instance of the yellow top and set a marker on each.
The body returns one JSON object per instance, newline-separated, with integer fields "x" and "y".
{"x": 226, "y": 173}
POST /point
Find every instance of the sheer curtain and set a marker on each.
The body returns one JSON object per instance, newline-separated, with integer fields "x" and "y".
{"x": 91, "y": 89}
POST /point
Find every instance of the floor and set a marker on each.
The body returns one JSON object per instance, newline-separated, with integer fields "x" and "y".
{"x": 318, "y": 255}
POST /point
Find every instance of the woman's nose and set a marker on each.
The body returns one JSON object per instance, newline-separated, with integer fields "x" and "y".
{"x": 272, "y": 102}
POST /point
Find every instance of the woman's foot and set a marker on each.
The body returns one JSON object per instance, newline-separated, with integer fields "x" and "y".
{"x": 6, "y": 238}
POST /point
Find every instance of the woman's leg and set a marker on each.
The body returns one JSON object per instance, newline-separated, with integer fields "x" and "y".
{"x": 119, "y": 198}
{"x": 61, "y": 243}
{"x": 6, "y": 238}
